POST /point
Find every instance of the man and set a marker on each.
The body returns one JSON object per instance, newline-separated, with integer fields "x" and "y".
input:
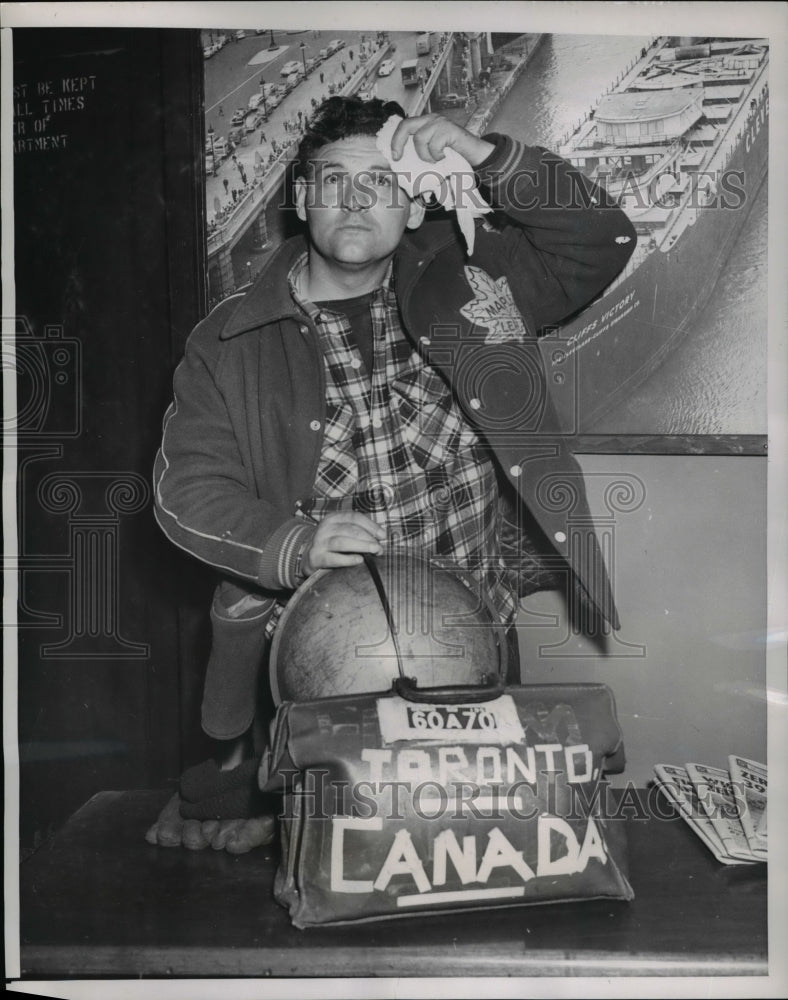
{"x": 377, "y": 386}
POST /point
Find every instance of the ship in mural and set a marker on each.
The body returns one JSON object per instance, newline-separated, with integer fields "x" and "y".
{"x": 682, "y": 144}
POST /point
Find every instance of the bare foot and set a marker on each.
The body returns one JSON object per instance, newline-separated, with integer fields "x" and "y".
{"x": 236, "y": 836}
{"x": 228, "y": 788}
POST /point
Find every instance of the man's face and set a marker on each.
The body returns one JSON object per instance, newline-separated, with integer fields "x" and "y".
{"x": 354, "y": 208}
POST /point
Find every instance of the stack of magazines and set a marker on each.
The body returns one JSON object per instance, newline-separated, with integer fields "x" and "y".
{"x": 726, "y": 809}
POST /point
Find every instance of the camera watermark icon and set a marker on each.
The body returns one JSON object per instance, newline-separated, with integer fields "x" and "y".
{"x": 68, "y": 520}
{"x": 48, "y": 373}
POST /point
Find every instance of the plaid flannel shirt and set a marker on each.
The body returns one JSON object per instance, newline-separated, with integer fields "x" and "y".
{"x": 397, "y": 448}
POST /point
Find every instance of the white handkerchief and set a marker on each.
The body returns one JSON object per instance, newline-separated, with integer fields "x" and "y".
{"x": 450, "y": 181}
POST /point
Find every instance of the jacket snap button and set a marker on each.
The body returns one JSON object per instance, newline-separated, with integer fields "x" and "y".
{"x": 515, "y": 471}
{"x": 304, "y": 329}
{"x": 560, "y": 536}
{"x": 315, "y": 425}
{"x": 425, "y": 340}
{"x": 475, "y": 404}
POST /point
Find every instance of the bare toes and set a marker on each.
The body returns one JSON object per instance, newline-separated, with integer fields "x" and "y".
{"x": 167, "y": 831}
{"x": 209, "y": 828}
{"x": 227, "y": 827}
{"x": 254, "y": 833}
{"x": 193, "y": 836}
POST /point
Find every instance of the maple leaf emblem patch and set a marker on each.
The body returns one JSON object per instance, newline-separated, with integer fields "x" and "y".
{"x": 493, "y": 306}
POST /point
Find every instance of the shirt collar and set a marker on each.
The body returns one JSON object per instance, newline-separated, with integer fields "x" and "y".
{"x": 297, "y": 278}
{"x": 272, "y": 298}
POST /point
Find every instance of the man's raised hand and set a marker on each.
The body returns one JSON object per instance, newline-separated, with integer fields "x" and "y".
{"x": 432, "y": 134}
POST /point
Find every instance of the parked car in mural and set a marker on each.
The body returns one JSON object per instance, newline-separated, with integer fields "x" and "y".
{"x": 451, "y": 101}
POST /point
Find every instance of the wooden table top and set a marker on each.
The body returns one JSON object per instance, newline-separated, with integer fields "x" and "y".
{"x": 98, "y": 900}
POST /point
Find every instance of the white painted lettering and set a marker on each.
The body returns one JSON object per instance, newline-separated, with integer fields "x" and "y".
{"x": 402, "y": 859}
{"x": 463, "y": 859}
{"x": 517, "y": 768}
{"x": 593, "y": 847}
{"x": 491, "y": 755}
{"x": 549, "y": 750}
{"x": 338, "y": 826}
{"x": 581, "y": 751}
{"x": 413, "y": 766}
{"x": 376, "y": 759}
{"x": 566, "y": 863}
{"x": 451, "y": 761}
{"x": 501, "y": 854}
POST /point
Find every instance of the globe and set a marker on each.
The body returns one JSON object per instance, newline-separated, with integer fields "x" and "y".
{"x": 334, "y": 636}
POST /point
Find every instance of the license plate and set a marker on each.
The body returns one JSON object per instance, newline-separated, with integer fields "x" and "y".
{"x": 495, "y": 721}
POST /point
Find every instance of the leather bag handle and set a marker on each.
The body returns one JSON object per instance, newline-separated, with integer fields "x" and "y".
{"x": 491, "y": 687}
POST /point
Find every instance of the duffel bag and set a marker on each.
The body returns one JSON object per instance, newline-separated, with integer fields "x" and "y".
{"x": 453, "y": 798}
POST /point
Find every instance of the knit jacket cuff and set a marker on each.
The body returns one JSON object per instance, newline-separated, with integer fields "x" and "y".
{"x": 280, "y": 563}
{"x": 504, "y": 161}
